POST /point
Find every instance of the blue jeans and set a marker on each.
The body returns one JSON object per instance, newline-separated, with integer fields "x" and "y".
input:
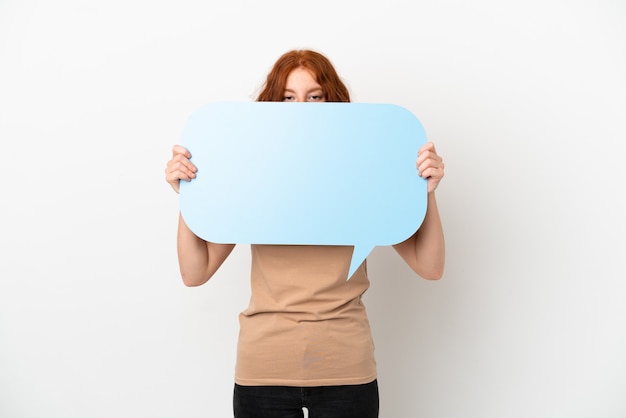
{"x": 322, "y": 401}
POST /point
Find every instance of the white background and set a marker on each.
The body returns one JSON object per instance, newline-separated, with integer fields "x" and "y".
{"x": 526, "y": 102}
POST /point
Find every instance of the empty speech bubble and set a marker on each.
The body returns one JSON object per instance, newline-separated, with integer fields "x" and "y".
{"x": 304, "y": 174}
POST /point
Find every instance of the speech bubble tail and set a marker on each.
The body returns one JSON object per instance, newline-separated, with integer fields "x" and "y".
{"x": 358, "y": 256}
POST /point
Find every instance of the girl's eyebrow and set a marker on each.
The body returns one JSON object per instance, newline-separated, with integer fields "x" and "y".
{"x": 308, "y": 91}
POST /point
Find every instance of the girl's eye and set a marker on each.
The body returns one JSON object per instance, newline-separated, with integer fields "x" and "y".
{"x": 315, "y": 98}
{"x": 287, "y": 98}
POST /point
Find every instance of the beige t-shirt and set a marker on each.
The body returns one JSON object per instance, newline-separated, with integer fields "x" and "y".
{"x": 305, "y": 325}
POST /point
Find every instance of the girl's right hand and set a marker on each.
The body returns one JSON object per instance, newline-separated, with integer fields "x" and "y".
{"x": 179, "y": 167}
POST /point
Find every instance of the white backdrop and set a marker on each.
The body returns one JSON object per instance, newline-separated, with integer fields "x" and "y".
{"x": 526, "y": 102}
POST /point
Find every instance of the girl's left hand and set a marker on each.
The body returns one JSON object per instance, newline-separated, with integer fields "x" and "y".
{"x": 430, "y": 165}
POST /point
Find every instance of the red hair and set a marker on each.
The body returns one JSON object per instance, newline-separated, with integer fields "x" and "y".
{"x": 319, "y": 66}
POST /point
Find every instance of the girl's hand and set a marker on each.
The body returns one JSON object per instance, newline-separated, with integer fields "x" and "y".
{"x": 179, "y": 167}
{"x": 430, "y": 165}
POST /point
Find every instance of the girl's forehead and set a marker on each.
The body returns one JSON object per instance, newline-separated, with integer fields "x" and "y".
{"x": 301, "y": 77}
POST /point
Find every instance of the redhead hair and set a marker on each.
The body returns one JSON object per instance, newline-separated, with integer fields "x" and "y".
{"x": 319, "y": 66}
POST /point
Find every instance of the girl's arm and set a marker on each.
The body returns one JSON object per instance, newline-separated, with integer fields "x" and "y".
{"x": 425, "y": 250}
{"x": 198, "y": 259}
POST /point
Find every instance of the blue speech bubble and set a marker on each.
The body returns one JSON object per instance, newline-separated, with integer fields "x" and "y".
{"x": 304, "y": 174}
